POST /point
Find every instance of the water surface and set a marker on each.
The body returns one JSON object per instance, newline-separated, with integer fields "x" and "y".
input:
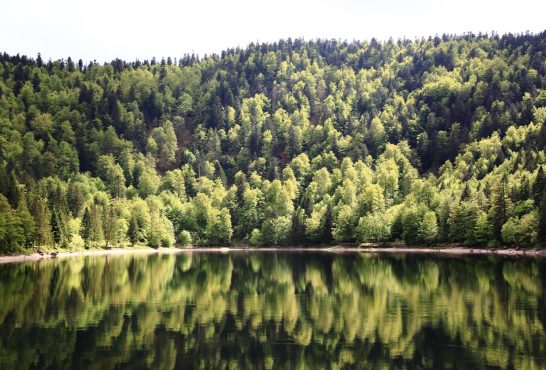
{"x": 273, "y": 311}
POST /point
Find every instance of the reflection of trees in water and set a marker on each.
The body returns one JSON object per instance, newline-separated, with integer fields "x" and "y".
{"x": 272, "y": 311}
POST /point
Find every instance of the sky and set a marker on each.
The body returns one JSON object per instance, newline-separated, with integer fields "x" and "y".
{"x": 102, "y": 30}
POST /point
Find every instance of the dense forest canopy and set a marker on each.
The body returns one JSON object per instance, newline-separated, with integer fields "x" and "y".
{"x": 423, "y": 141}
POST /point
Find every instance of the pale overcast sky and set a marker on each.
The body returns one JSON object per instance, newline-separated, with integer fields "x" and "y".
{"x": 105, "y": 29}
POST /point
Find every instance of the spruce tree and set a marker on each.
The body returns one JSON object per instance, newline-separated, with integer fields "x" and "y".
{"x": 26, "y": 220}
{"x": 56, "y": 228}
{"x": 541, "y": 232}
{"x": 133, "y": 231}
{"x": 538, "y": 186}
{"x": 481, "y": 229}
{"x": 499, "y": 208}
{"x": 75, "y": 199}
{"x": 328, "y": 224}
{"x": 86, "y": 227}
{"x": 96, "y": 233}
{"x": 109, "y": 224}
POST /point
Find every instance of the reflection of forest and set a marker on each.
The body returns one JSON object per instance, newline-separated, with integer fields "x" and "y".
{"x": 273, "y": 311}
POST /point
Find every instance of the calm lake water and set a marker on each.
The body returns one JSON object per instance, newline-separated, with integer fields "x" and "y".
{"x": 273, "y": 311}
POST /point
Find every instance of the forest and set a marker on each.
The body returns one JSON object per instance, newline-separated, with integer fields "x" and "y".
{"x": 424, "y": 141}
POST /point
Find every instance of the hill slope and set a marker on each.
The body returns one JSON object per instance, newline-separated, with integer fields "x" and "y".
{"x": 432, "y": 140}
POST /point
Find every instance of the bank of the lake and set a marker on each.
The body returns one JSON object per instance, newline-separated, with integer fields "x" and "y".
{"x": 449, "y": 250}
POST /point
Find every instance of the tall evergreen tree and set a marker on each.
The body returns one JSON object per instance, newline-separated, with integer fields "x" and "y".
{"x": 86, "y": 227}
{"x": 499, "y": 208}
{"x": 541, "y": 232}
{"x": 133, "y": 231}
{"x": 56, "y": 228}
{"x": 96, "y": 233}
{"x": 110, "y": 224}
{"x": 539, "y": 186}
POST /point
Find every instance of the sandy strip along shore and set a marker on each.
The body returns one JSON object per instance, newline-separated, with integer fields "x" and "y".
{"x": 335, "y": 249}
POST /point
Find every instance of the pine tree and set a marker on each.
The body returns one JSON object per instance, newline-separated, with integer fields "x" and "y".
{"x": 11, "y": 232}
{"x": 36, "y": 82}
{"x": 328, "y": 224}
{"x": 75, "y": 199}
{"x": 541, "y": 232}
{"x": 481, "y": 229}
{"x": 499, "y": 208}
{"x": 56, "y": 228}
{"x": 11, "y": 190}
{"x": 96, "y": 233}
{"x": 298, "y": 226}
{"x": 26, "y": 220}
{"x": 538, "y": 186}
{"x": 86, "y": 227}
{"x": 110, "y": 221}
{"x": 70, "y": 65}
{"x": 133, "y": 231}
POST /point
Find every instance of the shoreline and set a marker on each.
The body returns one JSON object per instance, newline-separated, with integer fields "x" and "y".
{"x": 445, "y": 250}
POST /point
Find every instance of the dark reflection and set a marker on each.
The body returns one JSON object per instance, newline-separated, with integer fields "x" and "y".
{"x": 272, "y": 311}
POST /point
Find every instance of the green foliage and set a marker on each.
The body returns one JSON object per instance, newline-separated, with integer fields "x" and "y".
{"x": 133, "y": 231}
{"x": 433, "y": 140}
{"x": 344, "y": 225}
{"x": 12, "y": 234}
{"x": 374, "y": 227}
{"x": 255, "y": 237}
{"x": 482, "y": 233}
{"x": 428, "y": 228}
{"x": 499, "y": 207}
{"x": 86, "y": 227}
{"x": 521, "y": 231}
{"x": 184, "y": 238}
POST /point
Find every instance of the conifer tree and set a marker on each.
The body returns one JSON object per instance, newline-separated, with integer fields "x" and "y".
{"x": 86, "y": 226}
{"x": 26, "y": 220}
{"x": 328, "y": 224}
{"x": 538, "y": 186}
{"x": 133, "y": 230}
{"x": 75, "y": 199}
{"x": 96, "y": 233}
{"x": 481, "y": 229}
{"x": 541, "y": 232}
{"x": 11, "y": 232}
{"x": 499, "y": 207}
{"x": 110, "y": 221}
{"x": 56, "y": 228}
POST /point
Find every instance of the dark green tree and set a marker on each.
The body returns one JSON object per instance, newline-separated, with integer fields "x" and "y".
{"x": 86, "y": 227}
{"x": 541, "y": 232}
{"x": 133, "y": 231}
{"x": 499, "y": 207}
{"x": 539, "y": 185}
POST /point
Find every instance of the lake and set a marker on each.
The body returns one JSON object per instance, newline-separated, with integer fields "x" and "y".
{"x": 273, "y": 311}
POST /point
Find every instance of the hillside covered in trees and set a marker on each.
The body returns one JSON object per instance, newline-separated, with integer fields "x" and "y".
{"x": 426, "y": 141}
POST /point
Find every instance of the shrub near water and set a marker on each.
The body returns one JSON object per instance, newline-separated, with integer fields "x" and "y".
{"x": 184, "y": 238}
